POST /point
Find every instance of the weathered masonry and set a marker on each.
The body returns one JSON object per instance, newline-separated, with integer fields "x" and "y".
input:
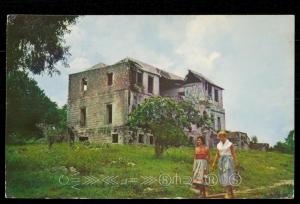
{"x": 101, "y": 97}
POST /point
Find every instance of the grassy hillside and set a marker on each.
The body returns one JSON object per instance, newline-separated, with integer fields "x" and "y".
{"x": 32, "y": 171}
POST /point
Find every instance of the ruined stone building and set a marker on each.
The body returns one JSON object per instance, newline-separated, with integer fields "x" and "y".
{"x": 101, "y": 97}
{"x": 239, "y": 139}
{"x": 259, "y": 146}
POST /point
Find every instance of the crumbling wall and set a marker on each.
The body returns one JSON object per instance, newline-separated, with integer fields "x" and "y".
{"x": 95, "y": 99}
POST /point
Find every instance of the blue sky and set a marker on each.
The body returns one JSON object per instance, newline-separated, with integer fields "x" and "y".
{"x": 251, "y": 57}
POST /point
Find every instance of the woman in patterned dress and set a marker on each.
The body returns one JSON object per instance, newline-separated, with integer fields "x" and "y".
{"x": 200, "y": 167}
{"x": 226, "y": 158}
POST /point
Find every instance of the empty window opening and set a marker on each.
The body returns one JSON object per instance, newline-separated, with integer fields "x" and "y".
{"x": 109, "y": 79}
{"x": 139, "y": 78}
{"x": 115, "y": 138}
{"x": 84, "y": 84}
{"x": 132, "y": 76}
{"x": 83, "y": 117}
{"x": 209, "y": 91}
{"x": 82, "y": 139}
{"x": 219, "y": 123}
{"x": 216, "y": 95}
{"x": 181, "y": 93}
{"x": 151, "y": 139}
{"x": 212, "y": 118}
{"x": 109, "y": 113}
{"x": 150, "y": 84}
{"x": 141, "y": 138}
{"x": 129, "y": 97}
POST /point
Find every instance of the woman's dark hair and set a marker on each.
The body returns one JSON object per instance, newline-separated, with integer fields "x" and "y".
{"x": 201, "y": 138}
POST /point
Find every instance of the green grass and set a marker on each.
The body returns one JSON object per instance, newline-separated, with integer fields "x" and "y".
{"x": 32, "y": 171}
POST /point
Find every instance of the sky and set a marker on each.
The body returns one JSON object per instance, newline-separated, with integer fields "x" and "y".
{"x": 251, "y": 57}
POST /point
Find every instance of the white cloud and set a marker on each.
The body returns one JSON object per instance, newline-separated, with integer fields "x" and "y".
{"x": 79, "y": 64}
{"x": 76, "y": 35}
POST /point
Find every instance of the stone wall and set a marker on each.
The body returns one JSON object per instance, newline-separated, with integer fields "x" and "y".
{"x": 95, "y": 98}
{"x": 97, "y": 95}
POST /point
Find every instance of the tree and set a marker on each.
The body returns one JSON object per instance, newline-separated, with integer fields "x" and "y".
{"x": 26, "y": 106}
{"x": 288, "y": 146}
{"x": 254, "y": 139}
{"x": 165, "y": 119}
{"x": 36, "y": 43}
{"x": 290, "y": 142}
{"x": 62, "y": 121}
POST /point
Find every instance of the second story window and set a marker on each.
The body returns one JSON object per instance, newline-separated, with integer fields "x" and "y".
{"x": 150, "y": 84}
{"x": 209, "y": 91}
{"x": 109, "y": 113}
{"x": 84, "y": 85}
{"x": 216, "y": 95}
{"x": 219, "y": 123}
{"x": 139, "y": 78}
{"x": 109, "y": 79}
{"x": 83, "y": 117}
{"x": 212, "y": 117}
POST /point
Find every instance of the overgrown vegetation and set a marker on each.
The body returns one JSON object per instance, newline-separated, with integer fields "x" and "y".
{"x": 35, "y": 44}
{"x": 288, "y": 146}
{"x": 27, "y": 106}
{"x": 33, "y": 171}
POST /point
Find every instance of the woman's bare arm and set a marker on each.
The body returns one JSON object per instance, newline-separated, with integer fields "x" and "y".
{"x": 208, "y": 154}
{"x": 194, "y": 161}
{"x": 233, "y": 154}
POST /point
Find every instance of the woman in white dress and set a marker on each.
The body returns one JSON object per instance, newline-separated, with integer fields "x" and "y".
{"x": 226, "y": 158}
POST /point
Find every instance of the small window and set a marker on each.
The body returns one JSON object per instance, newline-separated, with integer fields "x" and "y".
{"x": 115, "y": 138}
{"x": 180, "y": 93}
{"x": 150, "y": 84}
{"x": 84, "y": 85}
{"x": 83, "y": 117}
{"x": 219, "y": 123}
{"x": 109, "y": 79}
{"x": 209, "y": 91}
{"x": 109, "y": 113}
{"x": 191, "y": 140}
{"x": 212, "y": 118}
{"x": 141, "y": 138}
{"x": 216, "y": 95}
{"x": 129, "y": 98}
{"x": 139, "y": 78}
{"x": 132, "y": 76}
{"x": 82, "y": 139}
{"x": 151, "y": 139}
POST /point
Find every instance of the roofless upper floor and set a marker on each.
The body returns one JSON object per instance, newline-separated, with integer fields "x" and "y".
{"x": 140, "y": 77}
